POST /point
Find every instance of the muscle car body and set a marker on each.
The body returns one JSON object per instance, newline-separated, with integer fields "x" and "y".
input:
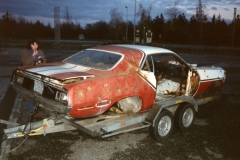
{"x": 130, "y": 77}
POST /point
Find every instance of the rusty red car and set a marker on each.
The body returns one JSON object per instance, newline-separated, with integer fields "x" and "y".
{"x": 129, "y": 77}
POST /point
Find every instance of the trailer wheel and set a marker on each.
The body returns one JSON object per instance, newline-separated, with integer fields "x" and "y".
{"x": 185, "y": 116}
{"x": 163, "y": 126}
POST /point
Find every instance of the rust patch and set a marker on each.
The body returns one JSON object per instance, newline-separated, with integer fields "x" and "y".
{"x": 89, "y": 89}
{"x": 105, "y": 85}
{"x": 194, "y": 83}
{"x": 118, "y": 89}
{"x": 99, "y": 98}
{"x": 135, "y": 88}
{"x": 79, "y": 94}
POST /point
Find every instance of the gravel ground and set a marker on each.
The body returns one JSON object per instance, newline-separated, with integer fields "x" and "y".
{"x": 214, "y": 135}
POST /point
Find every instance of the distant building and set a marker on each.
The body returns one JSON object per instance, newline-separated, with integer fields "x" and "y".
{"x": 80, "y": 36}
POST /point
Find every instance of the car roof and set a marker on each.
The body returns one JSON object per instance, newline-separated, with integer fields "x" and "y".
{"x": 146, "y": 49}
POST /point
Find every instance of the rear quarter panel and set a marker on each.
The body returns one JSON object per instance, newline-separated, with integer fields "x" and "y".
{"x": 208, "y": 76}
{"x": 84, "y": 96}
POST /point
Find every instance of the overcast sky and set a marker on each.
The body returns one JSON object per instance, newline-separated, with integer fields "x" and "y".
{"x": 90, "y": 11}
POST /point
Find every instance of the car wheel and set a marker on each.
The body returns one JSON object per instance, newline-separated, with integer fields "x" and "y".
{"x": 185, "y": 116}
{"x": 163, "y": 126}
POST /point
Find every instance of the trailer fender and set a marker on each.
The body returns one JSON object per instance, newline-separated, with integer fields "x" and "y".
{"x": 169, "y": 104}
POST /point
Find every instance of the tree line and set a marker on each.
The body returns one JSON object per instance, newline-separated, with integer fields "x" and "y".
{"x": 176, "y": 29}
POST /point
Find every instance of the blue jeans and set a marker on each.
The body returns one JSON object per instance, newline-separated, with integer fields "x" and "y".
{"x": 31, "y": 106}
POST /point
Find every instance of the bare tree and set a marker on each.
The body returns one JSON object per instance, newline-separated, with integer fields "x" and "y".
{"x": 115, "y": 17}
{"x": 67, "y": 16}
{"x": 116, "y": 21}
{"x": 144, "y": 14}
{"x": 201, "y": 12}
{"x": 172, "y": 13}
{"x": 201, "y": 16}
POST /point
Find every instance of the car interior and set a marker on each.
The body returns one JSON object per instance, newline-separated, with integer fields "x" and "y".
{"x": 170, "y": 74}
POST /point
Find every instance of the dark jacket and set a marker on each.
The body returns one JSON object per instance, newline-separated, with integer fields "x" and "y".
{"x": 28, "y": 59}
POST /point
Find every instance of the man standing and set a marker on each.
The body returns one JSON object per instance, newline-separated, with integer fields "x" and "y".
{"x": 32, "y": 55}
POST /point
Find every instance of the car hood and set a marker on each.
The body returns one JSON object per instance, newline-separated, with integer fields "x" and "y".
{"x": 63, "y": 72}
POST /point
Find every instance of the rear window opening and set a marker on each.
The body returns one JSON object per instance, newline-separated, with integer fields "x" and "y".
{"x": 95, "y": 59}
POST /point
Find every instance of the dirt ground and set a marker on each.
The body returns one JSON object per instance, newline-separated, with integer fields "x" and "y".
{"x": 214, "y": 135}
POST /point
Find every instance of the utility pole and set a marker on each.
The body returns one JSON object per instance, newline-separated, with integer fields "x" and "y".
{"x": 144, "y": 35}
{"x": 234, "y": 18}
{"x": 134, "y": 24}
{"x": 57, "y": 25}
{"x": 127, "y": 24}
{"x": 201, "y": 17}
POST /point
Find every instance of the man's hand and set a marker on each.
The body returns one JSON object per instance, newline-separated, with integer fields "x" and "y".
{"x": 35, "y": 52}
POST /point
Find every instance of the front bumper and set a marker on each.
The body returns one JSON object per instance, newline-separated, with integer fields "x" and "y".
{"x": 47, "y": 103}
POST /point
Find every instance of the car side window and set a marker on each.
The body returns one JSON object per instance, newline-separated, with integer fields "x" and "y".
{"x": 148, "y": 66}
{"x": 167, "y": 65}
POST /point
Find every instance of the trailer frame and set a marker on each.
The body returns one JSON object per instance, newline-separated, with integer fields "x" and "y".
{"x": 104, "y": 125}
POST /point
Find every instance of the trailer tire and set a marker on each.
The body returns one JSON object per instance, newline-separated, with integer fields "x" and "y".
{"x": 185, "y": 116}
{"x": 163, "y": 126}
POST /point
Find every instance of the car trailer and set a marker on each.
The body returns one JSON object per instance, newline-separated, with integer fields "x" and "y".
{"x": 159, "y": 119}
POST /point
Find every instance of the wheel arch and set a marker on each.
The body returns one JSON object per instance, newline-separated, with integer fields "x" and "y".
{"x": 187, "y": 102}
{"x": 135, "y": 103}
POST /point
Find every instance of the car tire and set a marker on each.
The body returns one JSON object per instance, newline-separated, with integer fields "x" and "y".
{"x": 163, "y": 126}
{"x": 185, "y": 117}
